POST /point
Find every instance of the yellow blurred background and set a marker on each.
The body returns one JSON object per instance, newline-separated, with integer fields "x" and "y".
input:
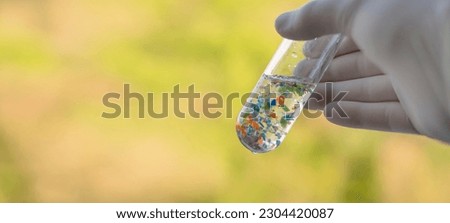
{"x": 59, "y": 57}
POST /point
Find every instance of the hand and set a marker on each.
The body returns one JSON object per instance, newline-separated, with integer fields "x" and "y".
{"x": 395, "y": 62}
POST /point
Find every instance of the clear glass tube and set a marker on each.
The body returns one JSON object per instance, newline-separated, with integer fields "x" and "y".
{"x": 280, "y": 95}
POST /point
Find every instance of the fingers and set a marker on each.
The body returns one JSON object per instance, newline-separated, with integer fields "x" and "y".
{"x": 346, "y": 67}
{"x": 318, "y": 18}
{"x": 347, "y": 46}
{"x": 383, "y": 116}
{"x": 314, "y": 48}
{"x": 350, "y": 66}
{"x": 371, "y": 89}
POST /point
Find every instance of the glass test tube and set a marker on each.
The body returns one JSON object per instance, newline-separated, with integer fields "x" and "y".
{"x": 280, "y": 95}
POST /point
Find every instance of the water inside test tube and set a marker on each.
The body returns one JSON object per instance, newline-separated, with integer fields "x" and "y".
{"x": 280, "y": 95}
{"x": 270, "y": 112}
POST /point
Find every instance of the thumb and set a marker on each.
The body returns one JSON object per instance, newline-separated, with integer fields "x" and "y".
{"x": 318, "y": 18}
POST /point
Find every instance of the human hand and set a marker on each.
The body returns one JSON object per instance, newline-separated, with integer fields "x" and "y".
{"x": 395, "y": 64}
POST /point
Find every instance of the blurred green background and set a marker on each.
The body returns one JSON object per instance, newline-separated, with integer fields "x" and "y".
{"x": 59, "y": 57}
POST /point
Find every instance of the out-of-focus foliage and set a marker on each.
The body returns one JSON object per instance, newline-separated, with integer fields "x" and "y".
{"x": 59, "y": 57}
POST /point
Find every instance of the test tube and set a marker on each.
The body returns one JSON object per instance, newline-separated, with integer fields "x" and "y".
{"x": 280, "y": 95}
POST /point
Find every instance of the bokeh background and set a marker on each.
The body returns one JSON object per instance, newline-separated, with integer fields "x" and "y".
{"x": 59, "y": 57}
